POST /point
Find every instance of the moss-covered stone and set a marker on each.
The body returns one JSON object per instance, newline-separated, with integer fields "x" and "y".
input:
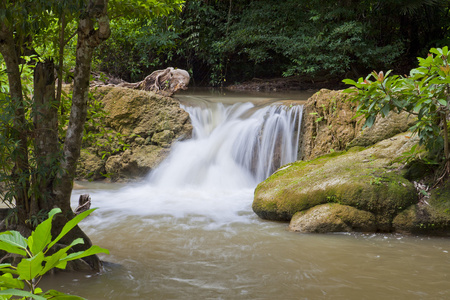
{"x": 364, "y": 179}
{"x": 91, "y": 166}
{"x": 333, "y": 217}
{"x": 430, "y": 216}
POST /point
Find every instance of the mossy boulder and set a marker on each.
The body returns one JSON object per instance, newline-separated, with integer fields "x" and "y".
{"x": 430, "y": 216}
{"x": 139, "y": 126}
{"x": 365, "y": 179}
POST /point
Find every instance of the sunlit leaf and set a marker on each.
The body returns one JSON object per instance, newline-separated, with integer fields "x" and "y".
{"x": 91, "y": 251}
{"x": 7, "y": 281}
{"x": 41, "y": 236}
{"x": 29, "y": 268}
{"x": 13, "y": 242}
{"x": 20, "y": 293}
{"x": 71, "y": 224}
{"x": 52, "y": 294}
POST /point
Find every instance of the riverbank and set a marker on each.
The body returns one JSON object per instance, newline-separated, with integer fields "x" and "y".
{"x": 287, "y": 84}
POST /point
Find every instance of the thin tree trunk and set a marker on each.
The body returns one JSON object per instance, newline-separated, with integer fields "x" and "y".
{"x": 446, "y": 146}
{"x": 88, "y": 39}
{"x": 93, "y": 28}
{"x": 60, "y": 63}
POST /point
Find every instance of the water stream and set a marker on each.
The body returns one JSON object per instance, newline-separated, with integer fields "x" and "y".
{"x": 188, "y": 231}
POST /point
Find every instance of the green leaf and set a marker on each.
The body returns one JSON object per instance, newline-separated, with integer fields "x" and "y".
{"x": 80, "y": 254}
{"x": 385, "y": 110}
{"x": 13, "y": 242}
{"x": 7, "y": 281}
{"x": 52, "y": 294}
{"x": 370, "y": 120}
{"x": 7, "y": 268}
{"x": 349, "y": 81}
{"x": 41, "y": 236}
{"x": 71, "y": 224}
{"x": 55, "y": 259}
{"x": 20, "y": 293}
{"x": 442, "y": 102}
{"x": 29, "y": 268}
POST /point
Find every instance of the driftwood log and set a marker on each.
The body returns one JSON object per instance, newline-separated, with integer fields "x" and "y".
{"x": 165, "y": 82}
{"x": 84, "y": 203}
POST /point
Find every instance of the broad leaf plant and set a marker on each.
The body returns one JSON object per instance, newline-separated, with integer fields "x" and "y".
{"x": 425, "y": 93}
{"x": 22, "y": 280}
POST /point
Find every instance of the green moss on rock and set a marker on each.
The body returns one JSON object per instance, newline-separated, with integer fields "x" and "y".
{"x": 363, "y": 179}
{"x": 430, "y": 216}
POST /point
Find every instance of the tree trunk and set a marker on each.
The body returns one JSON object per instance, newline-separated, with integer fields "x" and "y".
{"x": 47, "y": 150}
{"x": 88, "y": 39}
{"x": 20, "y": 172}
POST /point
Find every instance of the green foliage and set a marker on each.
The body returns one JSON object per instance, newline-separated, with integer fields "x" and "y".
{"x": 136, "y": 47}
{"x": 228, "y": 41}
{"x": 425, "y": 93}
{"x": 39, "y": 258}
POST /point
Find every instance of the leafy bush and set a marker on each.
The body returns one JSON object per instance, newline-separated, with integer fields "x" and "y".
{"x": 424, "y": 93}
{"x": 38, "y": 258}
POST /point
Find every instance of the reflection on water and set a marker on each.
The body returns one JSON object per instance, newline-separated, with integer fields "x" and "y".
{"x": 202, "y": 241}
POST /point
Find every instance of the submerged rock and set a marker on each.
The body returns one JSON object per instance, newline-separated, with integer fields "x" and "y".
{"x": 140, "y": 126}
{"x": 365, "y": 179}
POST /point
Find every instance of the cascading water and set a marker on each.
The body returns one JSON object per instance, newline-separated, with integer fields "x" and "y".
{"x": 210, "y": 178}
{"x": 233, "y": 146}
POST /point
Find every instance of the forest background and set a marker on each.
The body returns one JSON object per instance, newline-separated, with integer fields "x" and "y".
{"x": 222, "y": 42}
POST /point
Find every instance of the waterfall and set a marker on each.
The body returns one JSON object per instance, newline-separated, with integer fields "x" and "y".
{"x": 233, "y": 146}
{"x": 208, "y": 181}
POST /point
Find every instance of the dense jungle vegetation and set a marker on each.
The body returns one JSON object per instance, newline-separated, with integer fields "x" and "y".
{"x": 230, "y": 41}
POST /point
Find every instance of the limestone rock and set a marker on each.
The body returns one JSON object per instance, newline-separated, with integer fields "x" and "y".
{"x": 147, "y": 124}
{"x": 90, "y": 166}
{"x": 333, "y": 217}
{"x": 135, "y": 163}
{"x": 366, "y": 179}
{"x": 430, "y": 216}
{"x": 384, "y": 128}
{"x": 330, "y": 124}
